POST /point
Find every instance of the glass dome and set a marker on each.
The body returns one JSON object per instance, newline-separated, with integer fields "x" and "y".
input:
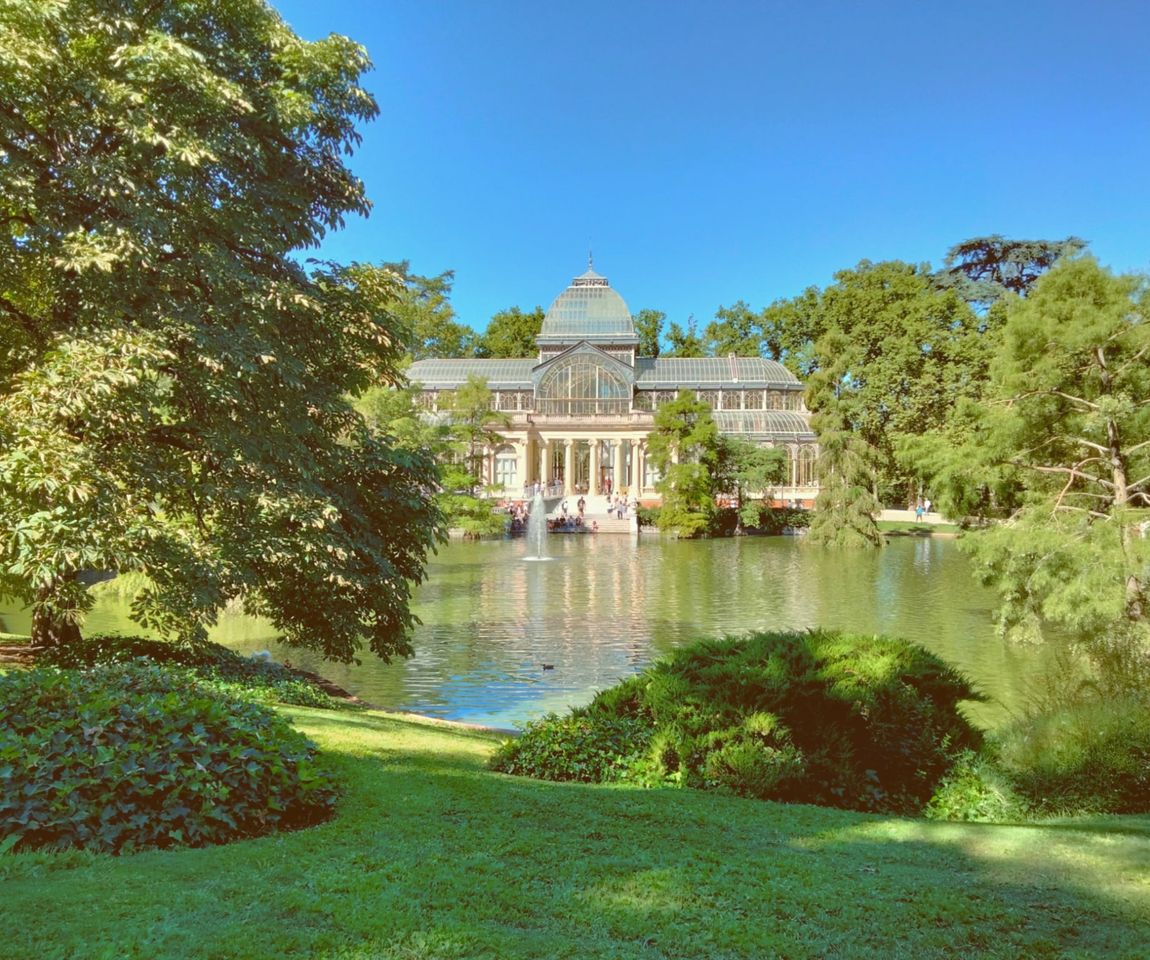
{"x": 588, "y": 310}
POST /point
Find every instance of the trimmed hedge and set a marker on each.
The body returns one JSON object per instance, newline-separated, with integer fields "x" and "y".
{"x": 129, "y": 756}
{"x": 862, "y": 722}
{"x": 260, "y": 680}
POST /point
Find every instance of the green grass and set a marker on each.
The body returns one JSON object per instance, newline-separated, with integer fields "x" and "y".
{"x": 432, "y": 856}
{"x": 903, "y": 528}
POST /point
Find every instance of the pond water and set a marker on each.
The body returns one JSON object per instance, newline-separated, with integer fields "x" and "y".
{"x": 504, "y": 639}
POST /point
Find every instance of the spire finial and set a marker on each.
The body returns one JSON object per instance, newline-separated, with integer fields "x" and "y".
{"x": 590, "y": 260}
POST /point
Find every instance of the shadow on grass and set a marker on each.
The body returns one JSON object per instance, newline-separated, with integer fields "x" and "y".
{"x": 432, "y": 856}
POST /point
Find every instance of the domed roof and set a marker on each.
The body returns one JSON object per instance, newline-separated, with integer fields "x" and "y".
{"x": 588, "y": 310}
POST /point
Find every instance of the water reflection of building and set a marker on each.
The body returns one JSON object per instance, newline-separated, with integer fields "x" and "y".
{"x": 582, "y": 410}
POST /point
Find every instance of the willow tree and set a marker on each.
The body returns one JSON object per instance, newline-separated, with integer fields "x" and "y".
{"x": 174, "y": 387}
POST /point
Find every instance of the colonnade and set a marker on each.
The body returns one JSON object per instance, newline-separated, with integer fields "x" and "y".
{"x": 552, "y": 459}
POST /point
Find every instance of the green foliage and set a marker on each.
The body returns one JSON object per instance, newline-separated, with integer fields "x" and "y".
{"x": 983, "y": 270}
{"x": 648, "y": 516}
{"x": 472, "y": 428}
{"x": 425, "y": 312}
{"x": 845, "y": 508}
{"x": 773, "y": 520}
{"x": 860, "y": 722}
{"x": 736, "y": 330}
{"x": 685, "y": 342}
{"x": 747, "y": 469}
{"x": 1088, "y": 757}
{"x": 127, "y": 757}
{"x": 1066, "y": 420}
{"x": 591, "y": 748}
{"x": 894, "y": 355}
{"x": 211, "y": 662}
{"x": 684, "y": 447}
{"x": 977, "y": 790}
{"x": 176, "y": 400}
{"x": 512, "y": 333}
{"x": 649, "y": 330}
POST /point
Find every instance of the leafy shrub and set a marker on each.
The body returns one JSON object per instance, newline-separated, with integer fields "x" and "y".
{"x": 131, "y": 756}
{"x": 776, "y": 519}
{"x": 590, "y": 749}
{"x": 260, "y": 680}
{"x": 647, "y": 516}
{"x": 852, "y": 721}
{"x": 976, "y": 789}
{"x": 1088, "y": 757}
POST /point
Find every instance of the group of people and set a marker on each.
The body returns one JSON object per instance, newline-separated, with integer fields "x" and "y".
{"x": 572, "y": 524}
{"x": 921, "y": 509}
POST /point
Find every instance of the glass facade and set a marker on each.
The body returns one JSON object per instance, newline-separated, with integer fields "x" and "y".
{"x": 580, "y": 387}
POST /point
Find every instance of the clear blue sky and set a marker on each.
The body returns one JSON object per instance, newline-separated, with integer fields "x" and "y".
{"x": 712, "y": 151}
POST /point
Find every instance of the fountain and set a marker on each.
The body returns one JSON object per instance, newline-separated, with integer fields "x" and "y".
{"x": 537, "y": 529}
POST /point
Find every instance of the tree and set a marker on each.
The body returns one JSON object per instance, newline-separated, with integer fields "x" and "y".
{"x": 1067, "y": 413}
{"x": 734, "y": 330}
{"x": 684, "y": 447}
{"x": 790, "y": 329}
{"x": 685, "y": 343}
{"x": 982, "y": 270}
{"x": 846, "y": 505}
{"x": 512, "y": 333}
{"x": 176, "y": 403}
{"x": 455, "y": 440}
{"x": 473, "y": 428}
{"x": 746, "y": 468}
{"x": 424, "y": 310}
{"x": 649, "y": 327}
{"x": 894, "y": 356}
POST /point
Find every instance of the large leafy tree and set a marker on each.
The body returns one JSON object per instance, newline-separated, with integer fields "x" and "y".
{"x": 1067, "y": 416}
{"x": 649, "y": 329}
{"x": 174, "y": 383}
{"x": 735, "y": 329}
{"x": 790, "y": 328}
{"x": 512, "y": 333}
{"x": 684, "y": 446}
{"x": 424, "y": 308}
{"x": 685, "y": 341}
{"x": 894, "y": 355}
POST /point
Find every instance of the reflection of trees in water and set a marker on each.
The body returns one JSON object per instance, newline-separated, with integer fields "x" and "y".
{"x": 604, "y": 607}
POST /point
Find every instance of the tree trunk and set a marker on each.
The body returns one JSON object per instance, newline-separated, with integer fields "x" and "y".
{"x": 49, "y": 629}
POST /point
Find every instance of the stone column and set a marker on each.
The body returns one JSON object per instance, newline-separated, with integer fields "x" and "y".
{"x": 638, "y": 465}
{"x": 521, "y": 463}
{"x": 619, "y": 480}
{"x": 593, "y": 480}
{"x": 568, "y": 467}
{"x": 545, "y": 464}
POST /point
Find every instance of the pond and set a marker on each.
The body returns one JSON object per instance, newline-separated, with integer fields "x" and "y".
{"x": 504, "y": 639}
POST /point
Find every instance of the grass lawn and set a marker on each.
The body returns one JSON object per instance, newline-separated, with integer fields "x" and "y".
{"x": 431, "y": 856}
{"x": 916, "y": 529}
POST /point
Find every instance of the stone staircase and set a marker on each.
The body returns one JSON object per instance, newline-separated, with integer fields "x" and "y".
{"x": 598, "y": 510}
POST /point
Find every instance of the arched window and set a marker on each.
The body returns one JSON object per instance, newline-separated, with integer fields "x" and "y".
{"x": 582, "y": 388}
{"x": 806, "y": 466}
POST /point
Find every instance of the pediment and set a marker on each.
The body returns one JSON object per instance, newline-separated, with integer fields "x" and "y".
{"x": 583, "y": 348}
